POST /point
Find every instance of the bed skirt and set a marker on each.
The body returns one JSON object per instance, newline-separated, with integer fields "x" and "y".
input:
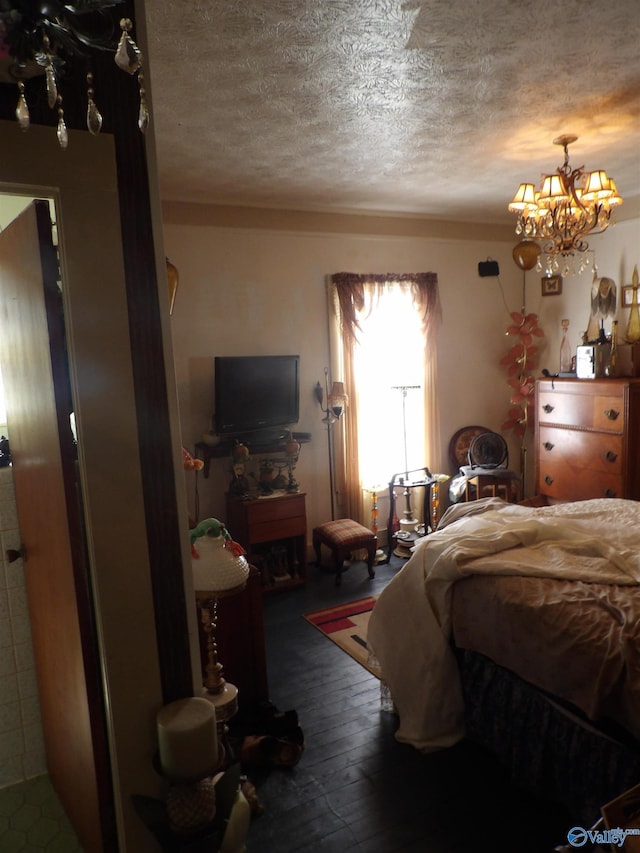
{"x": 546, "y": 748}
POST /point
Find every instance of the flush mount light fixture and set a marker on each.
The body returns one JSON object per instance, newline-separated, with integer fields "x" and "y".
{"x": 569, "y": 205}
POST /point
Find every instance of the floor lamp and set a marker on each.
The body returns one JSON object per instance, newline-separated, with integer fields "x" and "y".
{"x": 336, "y": 402}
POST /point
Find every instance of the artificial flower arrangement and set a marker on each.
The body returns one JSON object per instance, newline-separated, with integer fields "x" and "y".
{"x": 520, "y": 360}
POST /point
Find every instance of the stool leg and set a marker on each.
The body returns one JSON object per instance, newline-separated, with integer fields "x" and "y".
{"x": 339, "y": 560}
{"x": 371, "y": 555}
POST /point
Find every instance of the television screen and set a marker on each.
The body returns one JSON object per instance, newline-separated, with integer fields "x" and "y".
{"x": 256, "y": 394}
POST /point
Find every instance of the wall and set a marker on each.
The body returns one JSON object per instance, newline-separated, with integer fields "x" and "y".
{"x": 259, "y": 290}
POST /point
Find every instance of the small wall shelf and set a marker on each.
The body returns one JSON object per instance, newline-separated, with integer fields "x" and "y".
{"x": 207, "y": 452}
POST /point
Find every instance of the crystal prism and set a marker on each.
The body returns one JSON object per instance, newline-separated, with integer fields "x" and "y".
{"x": 62, "y": 134}
{"x": 128, "y": 56}
{"x": 22, "y": 111}
{"x": 143, "y": 115}
{"x": 94, "y": 118}
{"x": 52, "y": 89}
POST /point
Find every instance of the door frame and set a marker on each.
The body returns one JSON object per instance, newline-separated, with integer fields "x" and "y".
{"x": 84, "y": 187}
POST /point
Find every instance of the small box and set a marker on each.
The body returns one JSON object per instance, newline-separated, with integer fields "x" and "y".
{"x": 591, "y": 360}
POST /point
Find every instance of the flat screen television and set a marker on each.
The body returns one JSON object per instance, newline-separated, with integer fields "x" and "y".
{"x": 256, "y": 396}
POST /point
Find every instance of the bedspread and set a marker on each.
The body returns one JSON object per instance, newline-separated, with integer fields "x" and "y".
{"x": 410, "y": 631}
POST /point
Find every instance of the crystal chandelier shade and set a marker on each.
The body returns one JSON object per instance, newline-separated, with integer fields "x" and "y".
{"x": 569, "y": 205}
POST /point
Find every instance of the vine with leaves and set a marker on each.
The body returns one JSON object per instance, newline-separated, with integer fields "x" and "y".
{"x": 521, "y": 359}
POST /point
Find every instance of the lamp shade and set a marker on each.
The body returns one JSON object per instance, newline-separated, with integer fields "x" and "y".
{"x": 524, "y": 198}
{"x": 553, "y": 189}
{"x": 216, "y": 570}
{"x": 597, "y": 186}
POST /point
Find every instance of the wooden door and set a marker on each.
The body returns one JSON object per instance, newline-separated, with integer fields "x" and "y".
{"x": 35, "y": 372}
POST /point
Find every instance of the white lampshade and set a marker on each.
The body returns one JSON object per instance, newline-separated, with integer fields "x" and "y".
{"x": 216, "y": 570}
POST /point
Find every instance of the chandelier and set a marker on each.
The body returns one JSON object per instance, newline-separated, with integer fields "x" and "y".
{"x": 570, "y": 204}
{"x": 48, "y": 38}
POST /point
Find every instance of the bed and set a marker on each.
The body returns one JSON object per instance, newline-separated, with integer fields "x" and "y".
{"x": 519, "y": 627}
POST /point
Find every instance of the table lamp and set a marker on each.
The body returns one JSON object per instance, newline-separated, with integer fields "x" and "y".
{"x": 219, "y": 569}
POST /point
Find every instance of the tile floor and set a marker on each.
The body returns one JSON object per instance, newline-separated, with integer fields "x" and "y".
{"x": 32, "y": 820}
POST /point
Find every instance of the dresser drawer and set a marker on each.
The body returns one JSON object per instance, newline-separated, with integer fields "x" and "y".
{"x": 263, "y": 531}
{"x": 275, "y": 509}
{"x": 561, "y": 481}
{"x": 594, "y": 451}
{"x": 597, "y": 411}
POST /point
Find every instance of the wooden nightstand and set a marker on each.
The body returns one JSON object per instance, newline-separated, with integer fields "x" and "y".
{"x": 273, "y": 530}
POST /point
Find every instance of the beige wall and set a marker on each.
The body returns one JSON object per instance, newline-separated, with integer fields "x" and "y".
{"x": 259, "y": 290}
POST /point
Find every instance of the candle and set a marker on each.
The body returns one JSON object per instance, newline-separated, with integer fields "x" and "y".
{"x": 237, "y": 829}
{"x": 187, "y": 739}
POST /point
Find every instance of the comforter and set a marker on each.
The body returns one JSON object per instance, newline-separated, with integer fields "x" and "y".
{"x": 410, "y": 631}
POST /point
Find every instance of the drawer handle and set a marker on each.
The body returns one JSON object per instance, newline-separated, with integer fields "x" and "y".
{"x": 548, "y": 480}
{"x": 609, "y": 493}
{"x": 610, "y": 456}
{"x": 548, "y": 445}
{"x": 612, "y": 414}
{"x": 548, "y": 408}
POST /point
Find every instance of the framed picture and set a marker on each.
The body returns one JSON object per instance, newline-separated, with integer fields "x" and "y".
{"x": 627, "y": 295}
{"x": 552, "y": 285}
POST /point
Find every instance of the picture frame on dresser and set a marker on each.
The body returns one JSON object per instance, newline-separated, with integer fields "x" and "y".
{"x": 627, "y": 295}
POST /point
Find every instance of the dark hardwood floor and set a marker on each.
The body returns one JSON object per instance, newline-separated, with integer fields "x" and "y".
{"x": 356, "y": 788}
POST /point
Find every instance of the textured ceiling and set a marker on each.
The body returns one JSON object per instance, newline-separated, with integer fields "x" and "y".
{"x": 436, "y": 107}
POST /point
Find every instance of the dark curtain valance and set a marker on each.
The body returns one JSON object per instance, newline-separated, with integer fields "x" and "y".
{"x": 350, "y": 291}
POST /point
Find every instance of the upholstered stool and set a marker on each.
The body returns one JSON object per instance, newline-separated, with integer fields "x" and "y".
{"x": 343, "y": 536}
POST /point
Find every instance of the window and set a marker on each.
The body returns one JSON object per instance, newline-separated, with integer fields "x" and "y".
{"x": 382, "y": 331}
{"x": 390, "y": 355}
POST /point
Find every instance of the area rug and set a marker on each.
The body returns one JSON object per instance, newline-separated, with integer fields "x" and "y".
{"x": 346, "y": 625}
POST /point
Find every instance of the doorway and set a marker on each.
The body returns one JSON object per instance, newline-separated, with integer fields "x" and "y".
{"x": 84, "y": 189}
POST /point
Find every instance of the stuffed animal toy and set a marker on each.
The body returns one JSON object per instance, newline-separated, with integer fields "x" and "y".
{"x": 213, "y": 528}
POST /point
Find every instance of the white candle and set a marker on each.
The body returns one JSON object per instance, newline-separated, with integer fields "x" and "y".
{"x": 187, "y": 739}
{"x": 237, "y": 829}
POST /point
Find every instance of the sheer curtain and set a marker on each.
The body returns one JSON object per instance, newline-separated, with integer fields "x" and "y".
{"x": 383, "y": 340}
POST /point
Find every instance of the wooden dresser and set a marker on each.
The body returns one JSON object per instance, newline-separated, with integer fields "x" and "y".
{"x": 587, "y": 437}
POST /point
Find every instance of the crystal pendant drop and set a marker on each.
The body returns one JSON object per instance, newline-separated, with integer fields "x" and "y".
{"x": 22, "y": 110}
{"x": 61, "y": 132}
{"x": 52, "y": 88}
{"x": 94, "y": 118}
{"x": 128, "y": 56}
{"x": 143, "y": 114}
